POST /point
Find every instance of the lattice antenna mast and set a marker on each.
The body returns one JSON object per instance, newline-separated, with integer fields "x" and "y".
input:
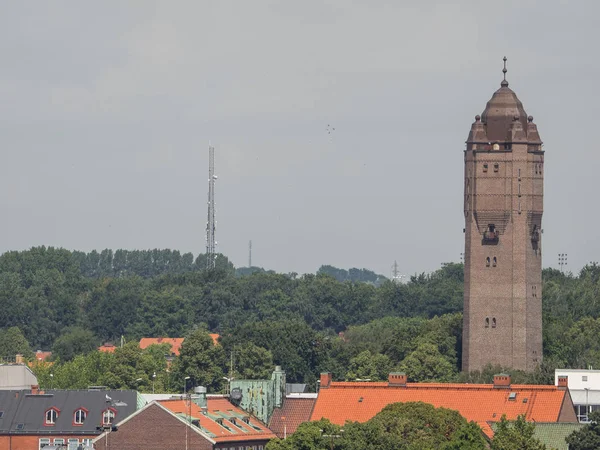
{"x": 250, "y": 254}
{"x": 211, "y": 225}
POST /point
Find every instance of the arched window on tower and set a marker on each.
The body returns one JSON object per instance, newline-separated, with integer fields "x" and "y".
{"x": 487, "y": 262}
{"x": 487, "y": 322}
{"x": 493, "y": 322}
{"x": 495, "y": 262}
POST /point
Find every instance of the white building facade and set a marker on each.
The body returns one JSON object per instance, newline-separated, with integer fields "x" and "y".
{"x": 584, "y": 386}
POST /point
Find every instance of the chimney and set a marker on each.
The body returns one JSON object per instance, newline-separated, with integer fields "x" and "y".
{"x": 19, "y": 359}
{"x": 563, "y": 382}
{"x": 397, "y": 379}
{"x": 35, "y": 389}
{"x": 502, "y": 381}
{"x": 200, "y": 397}
{"x": 325, "y": 379}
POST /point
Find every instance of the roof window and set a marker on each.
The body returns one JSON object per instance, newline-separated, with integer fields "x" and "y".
{"x": 79, "y": 416}
{"x": 51, "y": 416}
{"x": 512, "y": 396}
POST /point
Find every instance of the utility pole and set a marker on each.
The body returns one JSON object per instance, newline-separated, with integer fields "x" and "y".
{"x": 250, "y": 254}
{"x": 211, "y": 223}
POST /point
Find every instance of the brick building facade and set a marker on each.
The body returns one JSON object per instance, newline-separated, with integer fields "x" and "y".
{"x": 503, "y": 206}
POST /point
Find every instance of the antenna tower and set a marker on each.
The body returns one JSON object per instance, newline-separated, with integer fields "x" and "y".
{"x": 210, "y": 223}
{"x": 250, "y": 254}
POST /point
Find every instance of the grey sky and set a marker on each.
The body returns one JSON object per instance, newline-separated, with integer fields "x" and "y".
{"x": 106, "y": 110}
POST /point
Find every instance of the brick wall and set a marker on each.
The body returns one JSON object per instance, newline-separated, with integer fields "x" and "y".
{"x": 153, "y": 429}
{"x": 32, "y": 442}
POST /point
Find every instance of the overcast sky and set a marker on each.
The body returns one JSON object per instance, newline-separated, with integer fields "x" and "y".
{"x": 107, "y": 109}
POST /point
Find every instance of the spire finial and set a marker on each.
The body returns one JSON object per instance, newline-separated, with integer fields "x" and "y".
{"x": 504, "y": 82}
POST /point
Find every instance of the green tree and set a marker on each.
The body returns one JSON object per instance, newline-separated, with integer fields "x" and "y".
{"x": 426, "y": 363}
{"x": 74, "y": 341}
{"x": 515, "y": 435}
{"x": 587, "y": 438}
{"x": 252, "y": 362}
{"x": 201, "y": 361}
{"x": 365, "y": 365}
{"x": 12, "y": 342}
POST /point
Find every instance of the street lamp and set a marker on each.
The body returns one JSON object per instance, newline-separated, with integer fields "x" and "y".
{"x": 153, "y": 379}
{"x": 185, "y": 380}
{"x": 587, "y": 403}
{"x": 332, "y": 436}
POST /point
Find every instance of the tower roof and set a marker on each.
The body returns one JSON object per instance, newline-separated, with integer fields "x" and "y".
{"x": 501, "y": 111}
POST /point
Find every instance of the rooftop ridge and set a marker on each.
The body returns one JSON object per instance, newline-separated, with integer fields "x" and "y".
{"x": 446, "y": 386}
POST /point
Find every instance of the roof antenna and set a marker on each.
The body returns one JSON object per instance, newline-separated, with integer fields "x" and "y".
{"x": 504, "y": 82}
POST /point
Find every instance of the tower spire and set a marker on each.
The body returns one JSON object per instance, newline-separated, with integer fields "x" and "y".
{"x": 504, "y": 82}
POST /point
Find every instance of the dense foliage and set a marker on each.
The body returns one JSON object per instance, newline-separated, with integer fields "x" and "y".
{"x": 399, "y": 426}
{"x": 362, "y": 328}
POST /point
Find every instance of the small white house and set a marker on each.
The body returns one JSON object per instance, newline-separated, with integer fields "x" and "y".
{"x": 584, "y": 386}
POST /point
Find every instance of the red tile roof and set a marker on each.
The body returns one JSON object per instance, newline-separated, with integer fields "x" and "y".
{"x": 285, "y": 420}
{"x": 42, "y": 356}
{"x": 221, "y": 408}
{"x": 175, "y": 342}
{"x": 482, "y": 403}
{"x": 107, "y": 348}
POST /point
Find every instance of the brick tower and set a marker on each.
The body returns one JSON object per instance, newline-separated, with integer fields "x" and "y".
{"x": 503, "y": 206}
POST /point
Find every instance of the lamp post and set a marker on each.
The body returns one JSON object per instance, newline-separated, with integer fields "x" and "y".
{"x": 153, "y": 379}
{"x": 185, "y": 403}
{"x": 332, "y": 437}
{"x": 587, "y": 405}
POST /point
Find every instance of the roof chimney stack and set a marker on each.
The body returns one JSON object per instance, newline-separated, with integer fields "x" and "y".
{"x": 397, "y": 379}
{"x": 502, "y": 381}
{"x": 563, "y": 382}
{"x": 325, "y": 380}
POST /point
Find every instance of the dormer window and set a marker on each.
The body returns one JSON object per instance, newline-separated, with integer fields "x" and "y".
{"x": 51, "y": 416}
{"x": 79, "y": 416}
{"x": 108, "y": 417}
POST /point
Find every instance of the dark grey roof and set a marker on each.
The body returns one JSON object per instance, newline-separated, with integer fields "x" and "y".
{"x": 23, "y": 407}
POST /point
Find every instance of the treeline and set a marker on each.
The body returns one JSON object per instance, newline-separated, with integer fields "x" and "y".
{"x": 308, "y": 323}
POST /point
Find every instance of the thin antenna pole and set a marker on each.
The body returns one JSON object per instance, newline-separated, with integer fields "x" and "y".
{"x": 250, "y": 254}
{"x": 210, "y": 223}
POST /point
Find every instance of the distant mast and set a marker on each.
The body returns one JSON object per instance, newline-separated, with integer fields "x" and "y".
{"x": 211, "y": 223}
{"x": 250, "y": 254}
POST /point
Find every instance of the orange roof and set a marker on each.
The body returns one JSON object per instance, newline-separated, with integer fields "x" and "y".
{"x": 175, "y": 342}
{"x": 234, "y": 427}
{"x": 215, "y": 337}
{"x": 107, "y": 348}
{"x": 482, "y": 403}
{"x": 42, "y": 356}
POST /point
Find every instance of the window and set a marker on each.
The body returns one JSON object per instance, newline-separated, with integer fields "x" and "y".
{"x": 485, "y": 167}
{"x": 73, "y": 444}
{"x": 44, "y": 442}
{"x": 493, "y": 322}
{"x": 487, "y": 322}
{"x": 20, "y": 426}
{"x": 495, "y": 262}
{"x": 51, "y": 416}
{"x": 496, "y": 167}
{"x": 1, "y": 414}
{"x": 519, "y": 174}
{"x": 512, "y": 396}
{"x": 487, "y": 262}
{"x": 59, "y": 442}
{"x": 108, "y": 417}
{"x": 584, "y": 378}
{"x": 79, "y": 416}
